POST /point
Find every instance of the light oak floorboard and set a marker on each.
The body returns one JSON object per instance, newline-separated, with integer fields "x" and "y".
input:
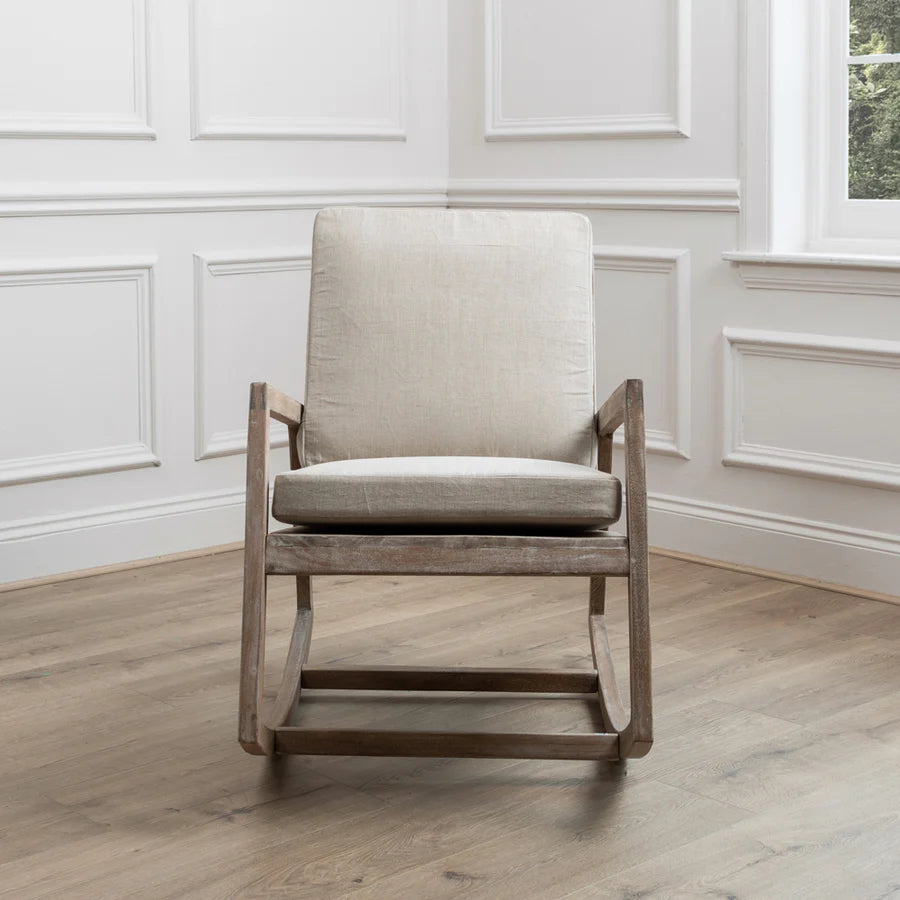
{"x": 774, "y": 772}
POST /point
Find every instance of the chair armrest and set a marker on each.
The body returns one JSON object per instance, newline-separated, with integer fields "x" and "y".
{"x": 626, "y": 406}
{"x": 268, "y": 402}
{"x": 280, "y": 406}
{"x": 612, "y": 414}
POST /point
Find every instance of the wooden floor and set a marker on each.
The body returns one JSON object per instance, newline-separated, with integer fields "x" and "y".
{"x": 776, "y": 771}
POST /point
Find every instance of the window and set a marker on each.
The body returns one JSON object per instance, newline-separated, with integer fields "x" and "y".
{"x": 855, "y": 186}
{"x": 820, "y": 119}
{"x": 873, "y": 79}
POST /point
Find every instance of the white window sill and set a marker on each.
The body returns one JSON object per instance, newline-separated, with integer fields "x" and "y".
{"x": 836, "y": 273}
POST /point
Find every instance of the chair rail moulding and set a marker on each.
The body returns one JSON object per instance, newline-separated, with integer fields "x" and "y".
{"x": 741, "y": 344}
{"x": 676, "y": 194}
{"x": 134, "y": 125}
{"x": 206, "y": 125}
{"x": 819, "y": 272}
{"x": 137, "y": 454}
{"x": 671, "y": 122}
{"x": 207, "y": 267}
{"x": 674, "y": 265}
{"x": 77, "y": 198}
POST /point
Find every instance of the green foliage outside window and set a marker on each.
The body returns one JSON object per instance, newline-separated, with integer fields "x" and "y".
{"x": 874, "y": 102}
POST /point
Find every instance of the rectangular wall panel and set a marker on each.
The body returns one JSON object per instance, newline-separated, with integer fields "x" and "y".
{"x": 818, "y": 405}
{"x": 250, "y": 325}
{"x": 619, "y": 70}
{"x": 76, "y": 363}
{"x": 321, "y": 69}
{"x": 643, "y": 330}
{"x": 74, "y": 69}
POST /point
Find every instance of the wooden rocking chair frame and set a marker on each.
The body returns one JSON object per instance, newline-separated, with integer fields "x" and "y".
{"x": 303, "y": 553}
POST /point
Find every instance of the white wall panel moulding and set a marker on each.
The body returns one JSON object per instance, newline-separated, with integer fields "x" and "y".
{"x": 673, "y": 264}
{"x": 209, "y": 443}
{"x": 849, "y": 353}
{"x": 135, "y": 123}
{"x": 283, "y": 83}
{"x": 819, "y": 272}
{"x": 687, "y": 194}
{"x": 673, "y": 120}
{"x": 74, "y": 198}
{"x": 119, "y": 514}
{"x": 71, "y": 272}
{"x": 775, "y": 523}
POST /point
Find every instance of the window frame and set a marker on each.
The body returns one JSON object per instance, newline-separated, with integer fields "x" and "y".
{"x": 838, "y": 223}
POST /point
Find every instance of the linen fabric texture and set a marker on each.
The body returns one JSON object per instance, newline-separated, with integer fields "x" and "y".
{"x": 439, "y": 333}
{"x": 490, "y": 492}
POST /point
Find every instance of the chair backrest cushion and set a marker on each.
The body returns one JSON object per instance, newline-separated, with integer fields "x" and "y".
{"x": 436, "y": 332}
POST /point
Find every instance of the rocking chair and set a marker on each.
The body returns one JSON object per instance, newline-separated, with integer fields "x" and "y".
{"x": 449, "y": 428}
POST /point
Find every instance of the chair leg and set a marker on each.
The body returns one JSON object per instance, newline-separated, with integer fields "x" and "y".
{"x": 612, "y": 710}
{"x": 634, "y": 728}
{"x": 598, "y": 595}
{"x": 254, "y": 734}
{"x": 289, "y": 692}
{"x": 637, "y": 738}
{"x": 257, "y": 733}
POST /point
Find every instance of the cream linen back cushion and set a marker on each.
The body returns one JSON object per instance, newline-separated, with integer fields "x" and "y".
{"x": 437, "y": 332}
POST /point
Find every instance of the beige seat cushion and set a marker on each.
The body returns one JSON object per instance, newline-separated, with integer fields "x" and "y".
{"x": 448, "y": 491}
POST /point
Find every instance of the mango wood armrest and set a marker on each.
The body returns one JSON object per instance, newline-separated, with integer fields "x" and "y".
{"x": 268, "y": 402}
{"x": 280, "y": 406}
{"x": 612, "y": 414}
{"x": 265, "y": 402}
{"x": 626, "y": 406}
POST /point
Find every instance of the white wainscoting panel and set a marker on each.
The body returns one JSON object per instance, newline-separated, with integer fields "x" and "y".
{"x": 816, "y": 405}
{"x": 77, "y": 366}
{"x": 619, "y": 69}
{"x": 643, "y": 327}
{"x": 250, "y": 325}
{"x": 74, "y": 70}
{"x": 313, "y": 69}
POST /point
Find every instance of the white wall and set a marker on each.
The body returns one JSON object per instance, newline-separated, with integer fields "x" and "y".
{"x": 633, "y": 113}
{"x": 162, "y": 163}
{"x": 155, "y": 241}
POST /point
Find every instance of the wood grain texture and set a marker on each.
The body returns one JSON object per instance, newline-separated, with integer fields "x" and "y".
{"x": 637, "y": 738}
{"x": 615, "y": 716}
{"x": 777, "y": 737}
{"x": 445, "y": 554}
{"x": 423, "y": 678}
{"x": 291, "y": 684}
{"x": 779, "y": 576}
{"x": 459, "y": 744}
{"x": 256, "y": 735}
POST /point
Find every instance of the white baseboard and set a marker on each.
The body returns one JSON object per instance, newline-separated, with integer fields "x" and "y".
{"x": 865, "y": 560}
{"x": 117, "y": 534}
